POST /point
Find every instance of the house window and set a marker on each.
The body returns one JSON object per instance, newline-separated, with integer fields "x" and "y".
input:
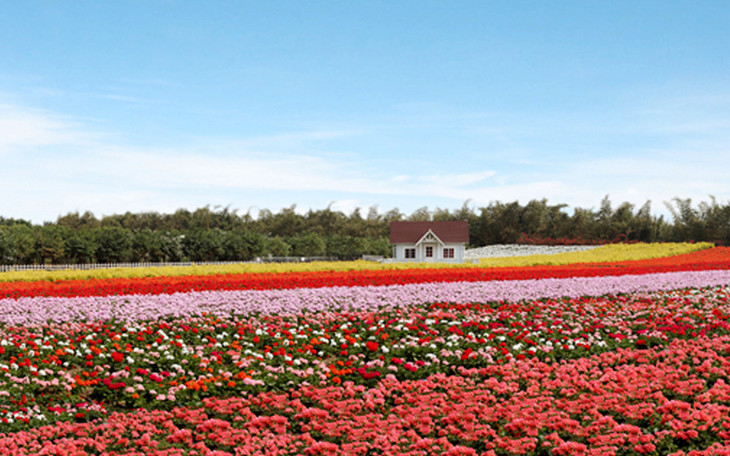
{"x": 429, "y": 251}
{"x": 410, "y": 253}
{"x": 449, "y": 252}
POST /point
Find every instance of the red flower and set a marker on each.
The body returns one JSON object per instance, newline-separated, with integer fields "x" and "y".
{"x": 368, "y": 375}
{"x": 372, "y": 345}
{"x": 113, "y": 385}
{"x": 118, "y": 357}
{"x": 466, "y": 354}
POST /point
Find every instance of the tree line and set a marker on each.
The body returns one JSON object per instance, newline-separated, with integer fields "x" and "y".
{"x": 221, "y": 234}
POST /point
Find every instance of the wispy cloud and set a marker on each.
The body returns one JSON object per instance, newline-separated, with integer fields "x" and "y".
{"x": 24, "y": 127}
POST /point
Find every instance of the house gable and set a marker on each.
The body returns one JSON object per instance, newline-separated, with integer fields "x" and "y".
{"x": 430, "y": 237}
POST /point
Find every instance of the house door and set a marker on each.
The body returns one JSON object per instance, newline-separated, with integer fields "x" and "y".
{"x": 429, "y": 251}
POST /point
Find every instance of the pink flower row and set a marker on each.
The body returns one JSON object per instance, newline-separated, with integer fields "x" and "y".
{"x": 40, "y": 310}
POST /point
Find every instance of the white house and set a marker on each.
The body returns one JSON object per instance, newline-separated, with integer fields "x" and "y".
{"x": 429, "y": 241}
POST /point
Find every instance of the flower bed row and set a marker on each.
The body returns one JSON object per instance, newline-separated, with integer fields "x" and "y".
{"x": 131, "y": 308}
{"x": 709, "y": 259}
{"x": 668, "y": 400}
{"x": 602, "y": 254}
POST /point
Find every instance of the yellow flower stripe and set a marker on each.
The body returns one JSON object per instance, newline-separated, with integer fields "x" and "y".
{"x": 607, "y": 253}
{"x": 604, "y": 254}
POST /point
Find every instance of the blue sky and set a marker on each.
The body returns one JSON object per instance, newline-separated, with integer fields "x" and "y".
{"x": 157, "y": 105}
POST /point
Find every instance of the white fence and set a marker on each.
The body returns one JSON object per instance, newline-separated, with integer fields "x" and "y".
{"x": 60, "y": 267}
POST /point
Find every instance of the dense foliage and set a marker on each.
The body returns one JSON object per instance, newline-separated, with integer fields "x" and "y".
{"x": 222, "y": 235}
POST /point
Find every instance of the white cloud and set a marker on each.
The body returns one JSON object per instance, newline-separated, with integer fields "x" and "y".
{"x": 23, "y": 127}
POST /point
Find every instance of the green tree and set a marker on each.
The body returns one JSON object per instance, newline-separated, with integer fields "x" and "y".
{"x": 146, "y": 246}
{"x": 23, "y": 244}
{"x": 80, "y": 247}
{"x": 240, "y": 245}
{"x": 378, "y": 246}
{"x": 308, "y": 245}
{"x": 420, "y": 215}
{"x": 287, "y": 223}
{"x": 49, "y": 243}
{"x": 717, "y": 221}
{"x": 113, "y": 244}
{"x": 688, "y": 225}
{"x": 346, "y": 247}
{"x": 276, "y": 246}
{"x": 76, "y": 222}
{"x": 6, "y": 246}
{"x": 171, "y": 245}
{"x": 12, "y": 221}
{"x": 325, "y": 222}
{"x": 203, "y": 245}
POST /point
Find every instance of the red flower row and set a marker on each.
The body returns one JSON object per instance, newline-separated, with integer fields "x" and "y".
{"x": 715, "y": 258}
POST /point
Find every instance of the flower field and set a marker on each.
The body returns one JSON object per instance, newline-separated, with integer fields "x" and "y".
{"x": 626, "y": 357}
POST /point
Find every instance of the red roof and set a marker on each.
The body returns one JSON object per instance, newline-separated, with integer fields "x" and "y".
{"x": 412, "y": 232}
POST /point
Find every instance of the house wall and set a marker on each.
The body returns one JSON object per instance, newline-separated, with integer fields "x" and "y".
{"x": 399, "y": 253}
